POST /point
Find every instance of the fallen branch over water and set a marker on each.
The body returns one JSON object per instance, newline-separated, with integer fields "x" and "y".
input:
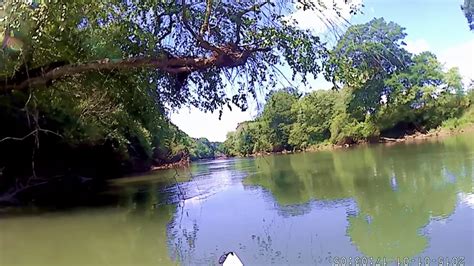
{"x": 385, "y": 139}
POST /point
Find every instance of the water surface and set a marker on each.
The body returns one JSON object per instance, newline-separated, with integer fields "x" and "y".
{"x": 385, "y": 202}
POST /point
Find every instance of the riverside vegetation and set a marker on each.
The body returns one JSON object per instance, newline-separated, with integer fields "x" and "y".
{"x": 86, "y": 87}
{"x": 396, "y": 95}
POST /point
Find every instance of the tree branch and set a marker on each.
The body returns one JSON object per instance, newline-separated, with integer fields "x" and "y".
{"x": 205, "y": 24}
{"x": 241, "y": 14}
{"x": 228, "y": 56}
{"x": 30, "y": 134}
{"x": 203, "y": 43}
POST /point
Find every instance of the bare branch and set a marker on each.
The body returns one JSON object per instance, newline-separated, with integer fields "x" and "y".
{"x": 205, "y": 24}
{"x": 30, "y": 134}
{"x": 19, "y": 139}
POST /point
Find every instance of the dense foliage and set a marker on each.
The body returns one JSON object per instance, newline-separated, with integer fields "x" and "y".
{"x": 386, "y": 91}
{"x": 85, "y": 86}
{"x": 190, "y": 49}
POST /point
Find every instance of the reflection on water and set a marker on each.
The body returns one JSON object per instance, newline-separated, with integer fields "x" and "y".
{"x": 397, "y": 190}
{"x": 399, "y": 201}
{"x": 94, "y": 237}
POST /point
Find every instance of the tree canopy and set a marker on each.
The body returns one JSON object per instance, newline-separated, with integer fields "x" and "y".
{"x": 189, "y": 50}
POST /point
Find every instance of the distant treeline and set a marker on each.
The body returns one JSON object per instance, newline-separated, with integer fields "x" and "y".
{"x": 202, "y": 148}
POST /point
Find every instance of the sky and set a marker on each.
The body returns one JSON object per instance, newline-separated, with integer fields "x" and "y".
{"x": 438, "y": 26}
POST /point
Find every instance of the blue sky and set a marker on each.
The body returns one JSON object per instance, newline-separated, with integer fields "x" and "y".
{"x": 440, "y": 23}
{"x": 435, "y": 25}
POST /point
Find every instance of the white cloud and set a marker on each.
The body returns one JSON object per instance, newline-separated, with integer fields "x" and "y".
{"x": 199, "y": 124}
{"x": 461, "y": 56}
{"x": 417, "y": 46}
{"x": 320, "y": 22}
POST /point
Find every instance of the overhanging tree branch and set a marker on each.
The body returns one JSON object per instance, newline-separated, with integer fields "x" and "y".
{"x": 228, "y": 56}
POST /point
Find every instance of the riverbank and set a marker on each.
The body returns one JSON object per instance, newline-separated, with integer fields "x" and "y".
{"x": 74, "y": 190}
{"x": 415, "y": 137}
{"x": 437, "y": 133}
{"x": 440, "y": 132}
{"x": 183, "y": 162}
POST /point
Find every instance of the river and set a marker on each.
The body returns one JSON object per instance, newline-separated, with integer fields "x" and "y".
{"x": 405, "y": 202}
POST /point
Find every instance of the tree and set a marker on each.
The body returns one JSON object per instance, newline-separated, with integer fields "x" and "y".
{"x": 468, "y": 9}
{"x": 203, "y": 149}
{"x": 186, "y": 48}
{"x": 245, "y": 137}
{"x": 228, "y": 146}
{"x": 278, "y": 117}
{"x": 364, "y": 56}
{"x": 423, "y": 95}
{"x": 313, "y": 114}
